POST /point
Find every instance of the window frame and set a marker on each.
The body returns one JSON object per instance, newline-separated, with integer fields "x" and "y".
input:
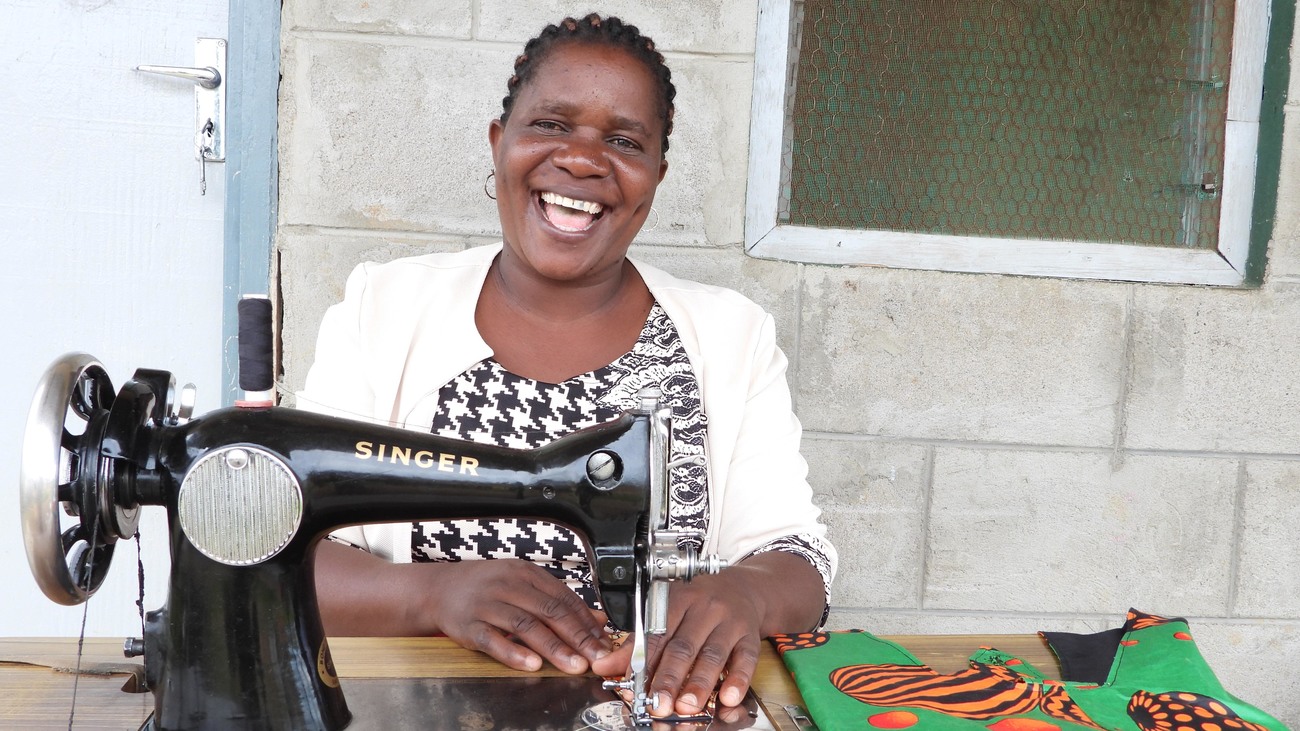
{"x": 765, "y": 238}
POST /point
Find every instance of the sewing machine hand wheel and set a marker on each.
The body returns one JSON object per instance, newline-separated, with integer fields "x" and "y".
{"x": 62, "y": 469}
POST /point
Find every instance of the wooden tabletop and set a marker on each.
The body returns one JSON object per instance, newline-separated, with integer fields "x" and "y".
{"x": 37, "y": 678}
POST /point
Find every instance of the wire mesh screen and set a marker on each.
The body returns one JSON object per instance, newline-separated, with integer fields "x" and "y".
{"x": 1084, "y": 120}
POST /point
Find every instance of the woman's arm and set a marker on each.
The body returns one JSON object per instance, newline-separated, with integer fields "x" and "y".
{"x": 764, "y": 521}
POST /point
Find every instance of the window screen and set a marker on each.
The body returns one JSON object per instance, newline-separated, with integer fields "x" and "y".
{"x": 1079, "y": 120}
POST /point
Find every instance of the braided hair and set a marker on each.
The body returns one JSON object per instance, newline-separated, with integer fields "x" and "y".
{"x": 595, "y": 30}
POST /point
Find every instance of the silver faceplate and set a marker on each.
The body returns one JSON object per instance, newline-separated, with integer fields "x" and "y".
{"x": 239, "y": 505}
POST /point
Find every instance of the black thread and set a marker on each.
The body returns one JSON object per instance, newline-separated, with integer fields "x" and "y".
{"x": 139, "y": 562}
{"x": 85, "y": 610}
{"x": 256, "y": 352}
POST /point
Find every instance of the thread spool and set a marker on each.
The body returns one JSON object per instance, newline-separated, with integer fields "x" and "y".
{"x": 256, "y": 351}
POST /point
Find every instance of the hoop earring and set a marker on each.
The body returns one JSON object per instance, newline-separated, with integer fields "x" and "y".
{"x": 487, "y": 192}
{"x": 654, "y": 225}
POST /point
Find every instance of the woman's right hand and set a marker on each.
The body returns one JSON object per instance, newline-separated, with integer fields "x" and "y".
{"x": 516, "y": 612}
{"x": 509, "y": 609}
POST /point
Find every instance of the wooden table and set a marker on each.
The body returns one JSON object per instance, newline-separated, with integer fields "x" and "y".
{"x": 37, "y": 678}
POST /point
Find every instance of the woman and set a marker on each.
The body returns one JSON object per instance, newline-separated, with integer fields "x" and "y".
{"x": 554, "y": 330}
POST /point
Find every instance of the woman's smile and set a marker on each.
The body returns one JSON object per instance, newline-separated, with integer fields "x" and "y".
{"x": 569, "y": 214}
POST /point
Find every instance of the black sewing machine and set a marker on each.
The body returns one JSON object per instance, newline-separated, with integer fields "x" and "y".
{"x": 250, "y": 491}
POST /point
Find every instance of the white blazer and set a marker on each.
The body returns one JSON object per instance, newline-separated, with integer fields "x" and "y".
{"x": 405, "y": 328}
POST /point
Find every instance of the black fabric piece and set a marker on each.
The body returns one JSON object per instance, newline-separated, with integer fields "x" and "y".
{"x": 1085, "y": 658}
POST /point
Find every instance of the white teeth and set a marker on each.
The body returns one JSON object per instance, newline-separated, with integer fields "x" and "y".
{"x": 559, "y": 200}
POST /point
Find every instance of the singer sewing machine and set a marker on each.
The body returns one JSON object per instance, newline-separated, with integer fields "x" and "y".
{"x": 250, "y": 491}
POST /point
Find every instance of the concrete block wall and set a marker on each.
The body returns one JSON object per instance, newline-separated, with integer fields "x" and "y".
{"x": 993, "y": 454}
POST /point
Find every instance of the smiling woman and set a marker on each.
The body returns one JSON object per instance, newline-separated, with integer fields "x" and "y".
{"x": 554, "y": 330}
{"x": 578, "y": 158}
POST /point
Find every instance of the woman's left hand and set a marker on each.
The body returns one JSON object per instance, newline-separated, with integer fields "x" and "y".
{"x": 715, "y": 625}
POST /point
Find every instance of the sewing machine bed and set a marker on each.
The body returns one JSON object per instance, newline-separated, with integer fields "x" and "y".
{"x": 497, "y": 704}
{"x": 553, "y": 703}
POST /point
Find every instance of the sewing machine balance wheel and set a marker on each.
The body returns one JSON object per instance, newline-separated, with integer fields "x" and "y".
{"x": 63, "y": 471}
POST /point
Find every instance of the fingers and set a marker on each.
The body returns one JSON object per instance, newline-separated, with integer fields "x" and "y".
{"x": 548, "y": 618}
{"x": 740, "y": 673}
{"x": 686, "y": 676}
{"x": 567, "y": 621}
{"x": 488, "y": 640}
{"x": 616, "y": 663}
{"x": 531, "y": 632}
{"x": 712, "y": 634}
{"x": 519, "y": 614}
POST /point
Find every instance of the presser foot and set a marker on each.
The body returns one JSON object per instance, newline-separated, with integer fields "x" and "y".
{"x": 637, "y": 709}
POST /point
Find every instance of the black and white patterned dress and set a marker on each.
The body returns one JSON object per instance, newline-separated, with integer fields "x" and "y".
{"x": 489, "y": 405}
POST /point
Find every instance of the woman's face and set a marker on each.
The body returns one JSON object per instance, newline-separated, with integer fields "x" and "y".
{"x": 578, "y": 161}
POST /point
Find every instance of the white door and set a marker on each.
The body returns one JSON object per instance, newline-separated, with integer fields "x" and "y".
{"x": 108, "y": 247}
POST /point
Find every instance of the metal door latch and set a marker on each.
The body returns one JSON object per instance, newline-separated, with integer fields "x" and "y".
{"x": 209, "y": 77}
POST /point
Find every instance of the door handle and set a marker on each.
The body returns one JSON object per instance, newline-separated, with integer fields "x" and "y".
{"x": 206, "y": 77}
{"x": 209, "y": 77}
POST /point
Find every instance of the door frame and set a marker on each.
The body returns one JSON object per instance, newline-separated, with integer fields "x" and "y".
{"x": 252, "y": 170}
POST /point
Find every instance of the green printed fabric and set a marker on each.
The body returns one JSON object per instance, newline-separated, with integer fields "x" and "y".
{"x": 1145, "y": 676}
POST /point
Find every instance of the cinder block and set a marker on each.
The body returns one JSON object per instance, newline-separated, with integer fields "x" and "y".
{"x": 887, "y": 622}
{"x": 1042, "y": 531}
{"x": 711, "y": 26}
{"x": 872, "y": 496}
{"x": 382, "y": 135}
{"x": 702, "y": 198}
{"x": 1255, "y": 661}
{"x": 1215, "y": 370}
{"x": 313, "y": 269}
{"x": 884, "y": 478}
{"x": 443, "y": 19}
{"x": 1268, "y": 582}
{"x": 955, "y": 356}
{"x": 773, "y": 285}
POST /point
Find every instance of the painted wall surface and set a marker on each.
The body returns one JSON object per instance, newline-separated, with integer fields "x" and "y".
{"x": 108, "y": 248}
{"x": 993, "y": 453}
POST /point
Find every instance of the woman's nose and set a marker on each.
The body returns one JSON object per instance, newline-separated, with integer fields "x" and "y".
{"x": 582, "y": 157}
